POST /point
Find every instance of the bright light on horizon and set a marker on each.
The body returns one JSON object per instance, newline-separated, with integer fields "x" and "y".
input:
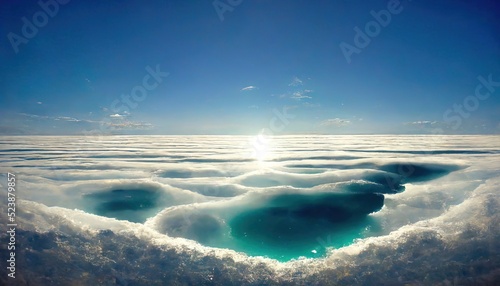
{"x": 261, "y": 148}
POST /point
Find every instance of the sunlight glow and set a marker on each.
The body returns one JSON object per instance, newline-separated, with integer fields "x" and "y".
{"x": 261, "y": 150}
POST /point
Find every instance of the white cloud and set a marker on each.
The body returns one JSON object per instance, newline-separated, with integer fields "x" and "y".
{"x": 337, "y": 122}
{"x": 84, "y": 167}
{"x": 422, "y": 123}
{"x": 129, "y": 125}
{"x": 39, "y": 102}
{"x": 120, "y": 116}
{"x": 121, "y": 124}
{"x": 299, "y": 95}
{"x": 57, "y": 118}
{"x": 248, "y": 88}
{"x": 296, "y": 81}
{"x": 66, "y": 118}
{"x": 34, "y": 116}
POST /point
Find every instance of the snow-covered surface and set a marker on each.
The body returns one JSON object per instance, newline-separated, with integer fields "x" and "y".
{"x": 439, "y": 223}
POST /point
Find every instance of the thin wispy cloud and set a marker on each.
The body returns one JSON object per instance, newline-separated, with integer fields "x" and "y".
{"x": 56, "y": 118}
{"x": 130, "y": 125}
{"x": 422, "y": 123}
{"x": 66, "y": 118}
{"x": 120, "y": 124}
{"x": 299, "y": 95}
{"x": 34, "y": 116}
{"x": 296, "y": 82}
{"x": 248, "y": 88}
{"x": 335, "y": 122}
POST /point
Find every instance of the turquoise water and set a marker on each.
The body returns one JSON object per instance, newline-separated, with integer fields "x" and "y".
{"x": 280, "y": 224}
{"x": 134, "y": 205}
{"x": 293, "y": 225}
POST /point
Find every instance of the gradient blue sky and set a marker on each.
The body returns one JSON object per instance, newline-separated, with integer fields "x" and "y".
{"x": 227, "y": 75}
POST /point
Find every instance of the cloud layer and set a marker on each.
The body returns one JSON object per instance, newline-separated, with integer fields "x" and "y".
{"x": 335, "y": 122}
{"x": 191, "y": 190}
{"x": 249, "y": 88}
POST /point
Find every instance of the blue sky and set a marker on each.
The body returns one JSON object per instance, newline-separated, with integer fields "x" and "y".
{"x": 238, "y": 67}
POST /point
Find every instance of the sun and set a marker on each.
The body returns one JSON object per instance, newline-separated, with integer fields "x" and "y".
{"x": 260, "y": 147}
